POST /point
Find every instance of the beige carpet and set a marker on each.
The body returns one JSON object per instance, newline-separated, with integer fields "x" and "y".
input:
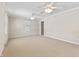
{"x": 36, "y": 46}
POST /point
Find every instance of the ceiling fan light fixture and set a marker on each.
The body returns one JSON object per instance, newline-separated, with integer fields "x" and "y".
{"x": 48, "y": 10}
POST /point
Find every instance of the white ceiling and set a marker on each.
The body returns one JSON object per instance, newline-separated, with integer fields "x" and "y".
{"x": 25, "y": 9}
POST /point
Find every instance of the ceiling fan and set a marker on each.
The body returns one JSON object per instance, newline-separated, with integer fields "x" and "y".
{"x": 44, "y": 10}
{"x": 48, "y": 7}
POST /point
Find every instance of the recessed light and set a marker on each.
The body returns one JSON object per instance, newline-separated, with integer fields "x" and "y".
{"x": 32, "y": 18}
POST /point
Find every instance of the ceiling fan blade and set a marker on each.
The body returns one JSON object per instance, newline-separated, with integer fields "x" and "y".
{"x": 59, "y": 7}
{"x": 54, "y": 7}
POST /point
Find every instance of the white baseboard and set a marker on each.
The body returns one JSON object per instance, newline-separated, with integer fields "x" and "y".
{"x": 69, "y": 41}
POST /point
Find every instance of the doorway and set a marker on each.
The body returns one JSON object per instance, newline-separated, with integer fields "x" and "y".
{"x": 42, "y": 27}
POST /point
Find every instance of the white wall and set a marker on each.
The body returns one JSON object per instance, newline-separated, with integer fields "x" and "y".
{"x": 64, "y": 26}
{"x": 3, "y": 27}
{"x": 19, "y": 27}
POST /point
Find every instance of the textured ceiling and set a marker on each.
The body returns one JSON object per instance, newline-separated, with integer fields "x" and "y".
{"x": 25, "y": 9}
